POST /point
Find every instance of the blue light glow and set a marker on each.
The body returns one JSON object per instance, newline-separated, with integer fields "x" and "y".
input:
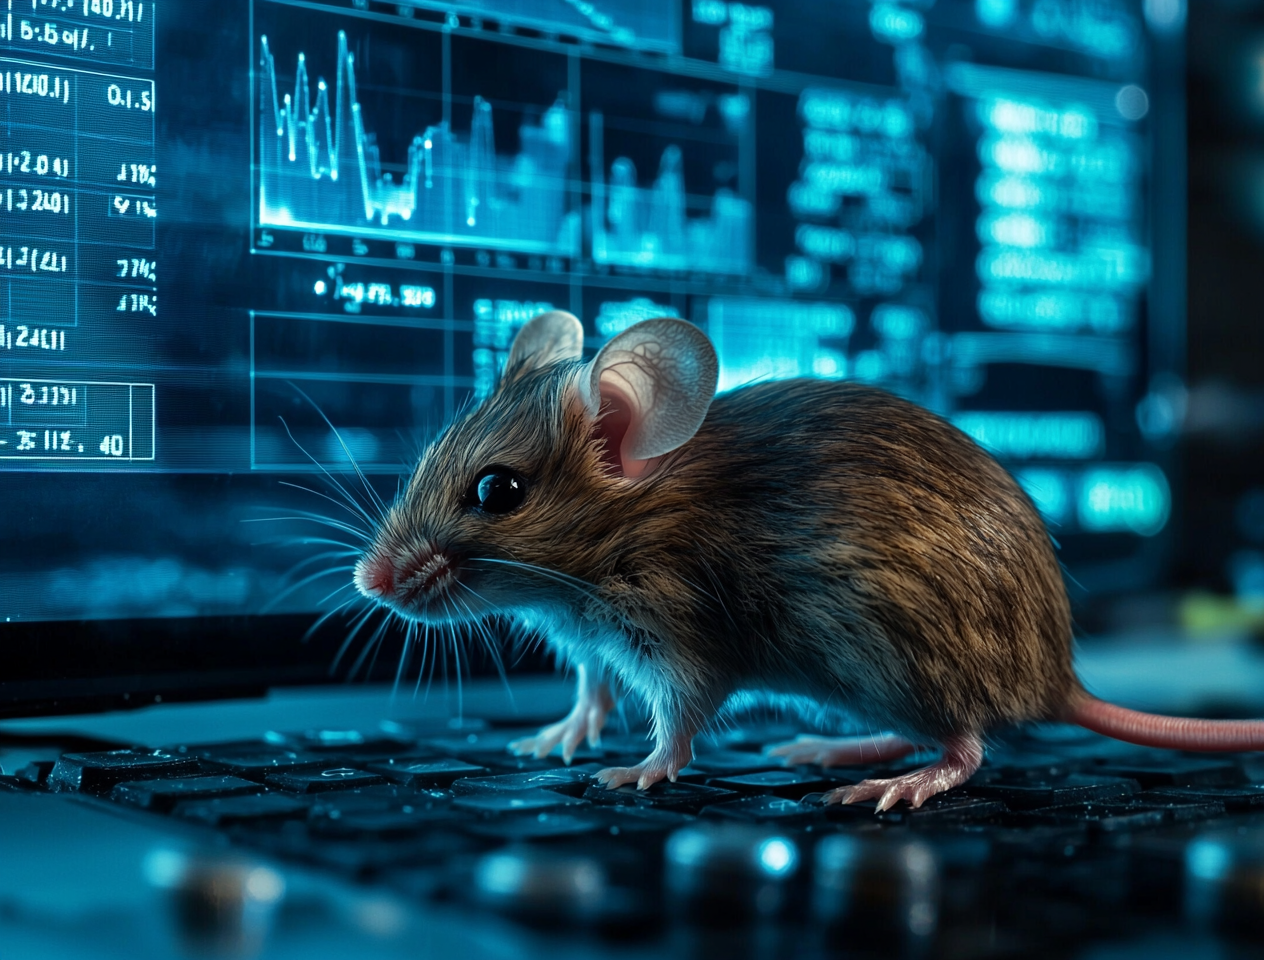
{"x": 829, "y": 109}
{"x": 1076, "y": 435}
{"x": 773, "y": 340}
{"x": 1103, "y": 30}
{"x": 615, "y": 316}
{"x": 1026, "y": 118}
{"x": 1048, "y": 490}
{"x": 1208, "y": 859}
{"x": 778, "y": 856}
{"x": 898, "y": 322}
{"x": 1053, "y": 310}
{"x": 501, "y": 874}
{"x": 1131, "y": 498}
{"x": 1124, "y": 266}
{"x": 895, "y": 24}
{"x": 996, "y": 13}
{"x": 825, "y": 243}
{"x": 1016, "y": 230}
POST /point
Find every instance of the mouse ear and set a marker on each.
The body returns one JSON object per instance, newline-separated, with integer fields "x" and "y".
{"x": 549, "y": 338}
{"x": 652, "y": 384}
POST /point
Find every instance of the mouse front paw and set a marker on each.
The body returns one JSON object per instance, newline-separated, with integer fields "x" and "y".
{"x": 585, "y": 721}
{"x": 664, "y": 763}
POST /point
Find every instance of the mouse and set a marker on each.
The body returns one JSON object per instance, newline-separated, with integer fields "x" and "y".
{"x": 821, "y": 540}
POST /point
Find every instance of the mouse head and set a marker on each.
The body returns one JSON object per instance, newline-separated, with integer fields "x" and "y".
{"x": 523, "y": 502}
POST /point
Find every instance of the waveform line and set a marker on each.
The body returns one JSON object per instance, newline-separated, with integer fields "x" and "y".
{"x": 648, "y": 227}
{"x": 321, "y": 169}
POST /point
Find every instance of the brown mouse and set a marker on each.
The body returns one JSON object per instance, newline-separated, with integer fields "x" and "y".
{"x": 821, "y": 540}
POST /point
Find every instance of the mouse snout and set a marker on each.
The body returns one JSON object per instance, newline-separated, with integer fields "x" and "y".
{"x": 375, "y": 577}
{"x": 408, "y": 579}
{"x": 425, "y": 572}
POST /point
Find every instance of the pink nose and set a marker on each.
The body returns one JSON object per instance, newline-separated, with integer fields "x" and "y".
{"x": 375, "y": 577}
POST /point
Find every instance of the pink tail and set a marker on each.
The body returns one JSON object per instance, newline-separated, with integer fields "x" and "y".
{"x": 1173, "y": 733}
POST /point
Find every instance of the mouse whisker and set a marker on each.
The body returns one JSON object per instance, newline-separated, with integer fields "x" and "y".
{"x": 329, "y": 614}
{"x": 583, "y": 587}
{"x": 404, "y": 656}
{"x": 329, "y": 476}
{"x": 350, "y": 549}
{"x": 374, "y": 499}
{"x": 433, "y": 651}
{"x": 480, "y": 628}
{"x": 372, "y": 645}
{"x": 557, "y": 576}
{"x": 299, "y": 585}
{"x": 352, "y": 508}
{"x": 322, "y": 557}
{"x": 357, "y": 626}
{"x": 314, "y": 518}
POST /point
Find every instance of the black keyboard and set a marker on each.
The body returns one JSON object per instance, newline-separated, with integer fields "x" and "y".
{"x": 1062, "y": 839}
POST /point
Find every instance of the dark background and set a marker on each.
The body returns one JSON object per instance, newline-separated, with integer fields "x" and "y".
{"x": 1222, "y": 453}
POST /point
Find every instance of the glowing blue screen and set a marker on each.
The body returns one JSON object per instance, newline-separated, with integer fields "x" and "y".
{"x": 221, "y": 224}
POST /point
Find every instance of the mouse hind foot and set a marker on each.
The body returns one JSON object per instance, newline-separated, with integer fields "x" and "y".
{"x": 842, "y": 751}
{"x": 963, "y": 753}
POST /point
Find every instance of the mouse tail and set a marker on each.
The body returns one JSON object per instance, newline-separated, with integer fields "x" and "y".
{"x": 1154, "y": 730}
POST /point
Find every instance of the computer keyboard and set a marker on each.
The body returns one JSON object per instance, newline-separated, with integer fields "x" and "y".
{"x": 1062, "y": 839}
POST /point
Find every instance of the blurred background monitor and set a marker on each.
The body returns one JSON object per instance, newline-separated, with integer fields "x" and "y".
{"x": 228, "y": 231}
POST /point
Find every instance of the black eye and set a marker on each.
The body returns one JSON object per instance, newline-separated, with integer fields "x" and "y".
{"x": 497, "y": 490}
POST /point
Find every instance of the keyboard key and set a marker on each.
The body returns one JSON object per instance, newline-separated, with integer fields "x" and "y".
{"x": 953, "y": 806}
{"x": 1180, "y": 811}
{"x": 774, "y": 810}
{"x": 352, "y": 741}
{"x": 37, "y": 771}
{"x": 791, "y": 784}
{"x": 479, "y": 743}
{"x": 507, "y": 763}
{"x": 387, "y": 823}
{"x": 541, "y": 826}
{"x": 99, "y": 772}
{"x": 1178, "y": 772}
{"x": 666, "y": 795}
{"x": 238, "y": 810}
{"x": 1102, "y": 817}
{"x": 519, "y": 801}
{"x": 321, "y": 780}
{"x": 725, "y": 763}
{"x": 1075, "y": 788}
{"x": 14, "y": 784}
{"x": 626, "y": 818}
{"x": 162, "y": 795}
{"x": 1245, "y": 797}
{"x": 364, "y": 858}
{"x": 425, "y": 772}
{"x": 569, "y": 780}
{"x": 259, "y": 764}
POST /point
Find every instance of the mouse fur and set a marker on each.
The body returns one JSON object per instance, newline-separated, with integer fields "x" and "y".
{"x": 821, "y": 539}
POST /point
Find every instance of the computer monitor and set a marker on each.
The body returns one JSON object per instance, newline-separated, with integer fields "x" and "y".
{"x": 247, "y": 242}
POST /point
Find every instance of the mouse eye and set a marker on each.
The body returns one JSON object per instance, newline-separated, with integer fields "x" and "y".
{"x": 497, "y": 490}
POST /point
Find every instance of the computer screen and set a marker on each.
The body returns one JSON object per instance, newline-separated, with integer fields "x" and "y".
{"x": 247, "y": 242}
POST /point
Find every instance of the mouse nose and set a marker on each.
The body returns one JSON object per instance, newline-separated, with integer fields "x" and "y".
{"x": 375, "y": 577}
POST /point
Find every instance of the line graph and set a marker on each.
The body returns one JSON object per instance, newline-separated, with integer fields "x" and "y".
{"x": 321, "y": 169}
{"x": 649, "y": 228}
{"x": 643, "y": 24}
